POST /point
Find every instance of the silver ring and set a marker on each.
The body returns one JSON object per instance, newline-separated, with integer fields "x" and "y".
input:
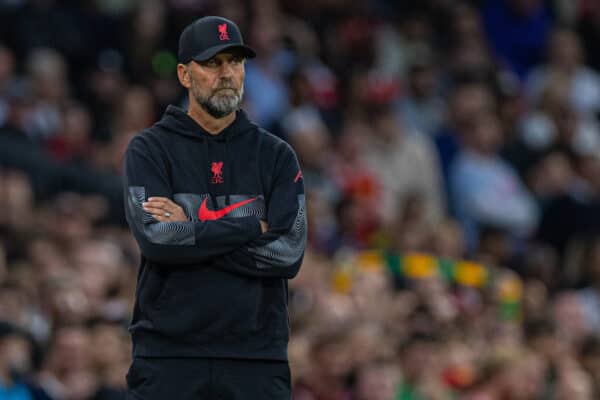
{"x": 167, "y": 214}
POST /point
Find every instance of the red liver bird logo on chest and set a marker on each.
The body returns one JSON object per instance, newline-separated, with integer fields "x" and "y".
{"x": 217, "y": 170}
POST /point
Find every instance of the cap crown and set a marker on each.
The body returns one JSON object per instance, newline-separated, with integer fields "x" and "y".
{"x": 208, "y": 33}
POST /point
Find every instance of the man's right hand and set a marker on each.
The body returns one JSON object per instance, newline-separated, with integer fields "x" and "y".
{"x": 264, "y": 226}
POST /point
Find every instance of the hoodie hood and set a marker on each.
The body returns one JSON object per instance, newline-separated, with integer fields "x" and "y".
{"x": 178, "y": 121}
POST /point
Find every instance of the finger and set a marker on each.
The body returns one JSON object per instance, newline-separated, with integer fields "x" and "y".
{"x": 156, "y": 203}
{"x": 162, "y": 200}
{"x": 160, "y": 206}
{"x": 154, "y": 210}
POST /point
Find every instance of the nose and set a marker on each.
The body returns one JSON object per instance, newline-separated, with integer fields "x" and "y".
{"x": 226, "y": 69}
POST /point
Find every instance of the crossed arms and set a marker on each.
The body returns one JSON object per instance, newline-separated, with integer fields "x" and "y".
{"x": 243, "y": 245}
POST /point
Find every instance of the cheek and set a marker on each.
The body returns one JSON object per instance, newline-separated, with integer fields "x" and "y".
{"x": 241, "y": 76}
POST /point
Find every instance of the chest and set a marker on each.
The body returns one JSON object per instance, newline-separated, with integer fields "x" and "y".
{"x": 199, "y": 169}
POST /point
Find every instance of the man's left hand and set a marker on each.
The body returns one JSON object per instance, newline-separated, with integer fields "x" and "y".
{"x": 164, "y": 209}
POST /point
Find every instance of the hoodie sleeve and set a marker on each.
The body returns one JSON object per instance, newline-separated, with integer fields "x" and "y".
{"x": 167, "y": 243}
{"x": 279, "y": 251}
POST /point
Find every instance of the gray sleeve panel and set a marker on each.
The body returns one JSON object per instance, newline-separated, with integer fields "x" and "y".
{"x": 256, "y": 208}
{"x": 170, "y": 233}
{"x": 288, "y": 249}
{"x": 190, "y": 203}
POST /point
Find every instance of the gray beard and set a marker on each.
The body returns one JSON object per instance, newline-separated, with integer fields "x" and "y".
{"x": 221, "y": 103}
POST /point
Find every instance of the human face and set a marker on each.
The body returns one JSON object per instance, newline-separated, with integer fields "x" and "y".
{"x": 217, "y": 84}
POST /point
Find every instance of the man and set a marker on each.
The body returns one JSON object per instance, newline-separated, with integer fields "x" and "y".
{"x": 15, "y": 365}
{"x": 216, "y": 205}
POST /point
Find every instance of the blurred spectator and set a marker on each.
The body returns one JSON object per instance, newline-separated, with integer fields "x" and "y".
{"x": 394, "y": 154}
{"x": 422, "y": 109}
{"x": 15, "y": 359}
{"x": 558, "y": 124}
{"x": 376, "y": 381}
{"x": 7, "y": 70}
{"x": 588, "y": 27}
{"x": 487, "y": 191}
{"x": 590, "y": 296}
{"x": 566, "y": 63}
{"x": 145, "y": 37}
{"x": 47, "y": 72}
{"x": 72, "y": 141}
{"x": 589, "y": 355}
{"x": 518, "y": 31}
{"x": 266, "y": 92}
{"x": 465, "y": 100}
{"x": 332, "y": 364}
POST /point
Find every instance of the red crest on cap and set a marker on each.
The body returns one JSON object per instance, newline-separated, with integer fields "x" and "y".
{"x": 223, "y": 35}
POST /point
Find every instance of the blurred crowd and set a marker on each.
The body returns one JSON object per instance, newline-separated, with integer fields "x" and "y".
{"x": 451, "y": 155}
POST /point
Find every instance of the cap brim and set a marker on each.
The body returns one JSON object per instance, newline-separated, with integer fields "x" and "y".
{"x": 210, "y": 52}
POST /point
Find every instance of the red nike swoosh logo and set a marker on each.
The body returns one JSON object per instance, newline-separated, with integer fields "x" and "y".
{"x": 208, "y": 215}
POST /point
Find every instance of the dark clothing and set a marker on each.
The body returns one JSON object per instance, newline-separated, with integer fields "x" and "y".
{"x": 208, "y": 379}
{"x": 518, "y": 40}
{"x": 49, "y": 177}
{"x": 214, "y": 286}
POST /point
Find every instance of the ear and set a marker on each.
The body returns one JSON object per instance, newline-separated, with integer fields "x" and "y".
{"x": 183, "y": 74}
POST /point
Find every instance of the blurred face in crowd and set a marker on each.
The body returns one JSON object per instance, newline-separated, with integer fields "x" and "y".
{"x": 467, "y": 101}
{"x": 387, "y": 126}
{"x": 136, "y": 109}
{"x": 590, "y": 360}
{"x": 311, "y": 145}
{"x": 422, "y": 80}
{"x": 565, "y": 50}
{"x": 524, "y": 378}
{"x": 466, "y": 22}
{"x": 570, "y": 318}
{"x": 217, "y": 84}
{"x": 376, "y": 381}
{"x": 485, "y": 136}
{"x": 111, "y": 352}
{"x": 594, "y": 263}
{"x": 16, "y": 199}
{"x": 48, "y": 70}
{"x": 553, "y": 175}
{"x": 418, "y": 358}
{"x": 15, "y": 353}
{"x": 149, "y": 22}
{"x": 471, "y": 59}
{"x": 71, "y": 350}
{"x": 77, "y": 125}
{"x": 7, "y": 64}
{"x": 332, "y": 358}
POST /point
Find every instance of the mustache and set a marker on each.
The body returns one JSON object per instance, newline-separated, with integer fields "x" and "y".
{"x": 226, "y": 85}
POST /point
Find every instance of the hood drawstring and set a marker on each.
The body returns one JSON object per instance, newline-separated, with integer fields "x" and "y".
{"x": 226, "y": 167}
{"x": 211, "y": 192}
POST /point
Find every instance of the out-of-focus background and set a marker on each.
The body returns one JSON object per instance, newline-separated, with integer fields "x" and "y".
{"x": 451, "y": 156}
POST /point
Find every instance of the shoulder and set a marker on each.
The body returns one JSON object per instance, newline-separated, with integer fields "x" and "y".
{"x": 148, "y": 140}
{"x": 274, "y": 144}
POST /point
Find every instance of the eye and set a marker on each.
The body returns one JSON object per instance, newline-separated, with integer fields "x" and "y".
{"x": 237, "y": 60}
{"x": 211, "y": 62}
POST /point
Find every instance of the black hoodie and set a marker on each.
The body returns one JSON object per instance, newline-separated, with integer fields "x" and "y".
{"x": 214, "y": 286}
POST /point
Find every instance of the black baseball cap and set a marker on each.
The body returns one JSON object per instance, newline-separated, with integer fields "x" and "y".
{"x": 208, "y": 36}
